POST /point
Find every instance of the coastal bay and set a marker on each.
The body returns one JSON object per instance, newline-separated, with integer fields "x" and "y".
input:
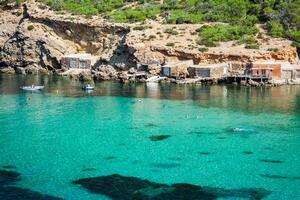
{"x": 163, "y": 133}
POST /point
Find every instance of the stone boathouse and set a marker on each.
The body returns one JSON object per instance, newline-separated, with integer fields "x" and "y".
{"x": 77, "y": 61}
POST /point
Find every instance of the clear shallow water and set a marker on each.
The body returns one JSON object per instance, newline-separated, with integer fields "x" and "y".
{"x": 64, "y": 134}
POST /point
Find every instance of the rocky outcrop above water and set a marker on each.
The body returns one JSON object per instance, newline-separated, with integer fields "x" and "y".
{"x": 126, "y": 188}
{"x": 37, "y": 38}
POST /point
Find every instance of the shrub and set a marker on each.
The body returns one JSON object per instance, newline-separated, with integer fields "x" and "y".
{"x": 207, "y": 43}
{"x": 248, "y": 40}
{"x": 140, "y": 28}
{"x": 211, "y": 35}
{"x": 203, "y": 49}
{"x": 252, "y": 46}
{"x": 273, "y": 49}
{"x": 171, "y": 31}
{"x": 281, "y": 16}
{"x": 170, "y": 44}
{"x": 275, "y": 28}
{"x": 152, "y": 37}
{"x": 19, "y": 2}
{"x": 30, "y": 27}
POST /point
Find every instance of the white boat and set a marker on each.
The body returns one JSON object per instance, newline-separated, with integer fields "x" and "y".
{"x": 32, "y": 88}
{"x": 88, "y": 87}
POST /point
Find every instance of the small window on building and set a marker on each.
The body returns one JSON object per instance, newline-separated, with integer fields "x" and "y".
{"x": 82, "y": 64}
{"x": 73, "y": 64}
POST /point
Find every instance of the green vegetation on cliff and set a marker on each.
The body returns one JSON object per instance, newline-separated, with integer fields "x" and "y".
{"x": 281, "y": 17}
{"x": 238, "y": 18}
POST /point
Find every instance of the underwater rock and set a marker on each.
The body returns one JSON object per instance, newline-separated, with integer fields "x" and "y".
{"x": 151, "y": 125}
{"x": 159, "y": 137}
{"x": 119, "y": 187}
{"x": 89, "y": 169}
{"x": 279, "y": 177}
{"x": 9, "y": 167}
{"x": 247, "y": 152}
{"x": 296, "y": 178}
{"x": 271, "y": 161}
{"x": 16, "y": 193}
{"x": 273, "y": 176}
{"x": 175, "y": 158}
{"x": 135, "y": 162}
{"x": 116, "y": 186}
{"x": 165, "y": 165}
{"x": 268, "y": 148}
{"x": 8, "y": 177}
{"x": 110, "y": 157}
{"x": 204, "y": 153}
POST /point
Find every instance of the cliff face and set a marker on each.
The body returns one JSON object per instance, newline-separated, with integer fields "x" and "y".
{"x": 33, "y": 38}
{"x": 155, "y": 44}
{"x": 38, "y": 39}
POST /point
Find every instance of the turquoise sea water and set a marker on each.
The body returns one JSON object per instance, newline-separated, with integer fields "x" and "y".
{"x": 63, "y": 134}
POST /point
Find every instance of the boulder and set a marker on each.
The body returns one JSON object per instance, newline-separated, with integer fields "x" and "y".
{"x": 154, "y": 69}
{"x": 20, "y": 70}
{"x": 244, "y": 83}
{"x": 85, "y": 76}
{"x": 131, "y": 70}
{"x": 254, "y": 83}
{"x": 105, "y": 72}
{"x": 101, "y": 76}
{"x": 32, "y": 69}
{"x": 7, "y": 70}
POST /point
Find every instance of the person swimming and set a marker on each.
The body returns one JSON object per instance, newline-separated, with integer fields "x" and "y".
{"x": 236, "y": 129}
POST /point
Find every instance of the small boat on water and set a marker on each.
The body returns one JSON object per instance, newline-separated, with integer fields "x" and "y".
{"x": 88, "y": 87}
{"x": 32, "y": 88}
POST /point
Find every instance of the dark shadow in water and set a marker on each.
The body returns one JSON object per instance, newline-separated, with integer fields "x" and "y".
{"x": 89, "y": 169}
{"x": 135, "y": 162}
{"x": 268, "y": 148}
{"x": 9, "y": 167}
{"x": 247, "y": 152}
{"x": 271, "y": 161}
{"x": 272, "y": 176}
{"x": 8, "y": 177}
{"x": 205, "y": 153}
{"x": 151, "y": 125}
{"x": 119, "y": 187}
{"x": 165, "y": 165}
{"x": 296, "y": 178}
{"x": 110, "y": 157}
{"x": 133, "y": 128}
{"x": 156, "y": 138}
{"x": 15, "y": 193}
{"x": 175, "y": 158}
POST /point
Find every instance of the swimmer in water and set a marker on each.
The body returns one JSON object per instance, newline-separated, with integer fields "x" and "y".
{"x": 237, "y": 129}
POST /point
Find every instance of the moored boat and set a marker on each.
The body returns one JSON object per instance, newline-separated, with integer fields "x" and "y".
{"x": 32, "y": 88}
{"x": 88, "y": 87}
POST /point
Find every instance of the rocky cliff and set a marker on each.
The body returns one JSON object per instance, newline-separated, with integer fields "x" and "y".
{"x": 38, "y": 37}
{"x": 33, "y": 39}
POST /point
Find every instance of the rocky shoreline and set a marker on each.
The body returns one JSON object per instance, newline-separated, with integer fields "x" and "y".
{"x": 33, "y": 39}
